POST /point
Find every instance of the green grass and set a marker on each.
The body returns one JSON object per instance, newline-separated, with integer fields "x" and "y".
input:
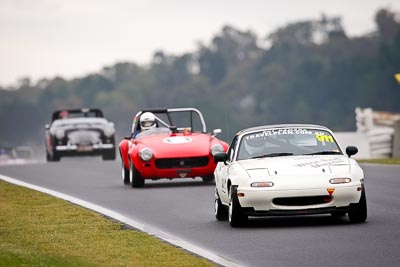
{"x": 39, "y": 230}
{"x": 393, "y": 161}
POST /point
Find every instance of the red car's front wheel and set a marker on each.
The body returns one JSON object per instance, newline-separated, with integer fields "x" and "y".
{"x": 125, "y": 175}
{"x": 135, "y": 177}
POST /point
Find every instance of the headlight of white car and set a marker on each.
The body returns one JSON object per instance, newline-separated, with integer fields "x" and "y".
{"x": 59, "y": 133}
{"x": 262, "y": 184}
{"x": 340, "y": 180}
{"x": 109, "y": 129}
{"x": 217, "y": 148}
{"x": 146, "y": 154}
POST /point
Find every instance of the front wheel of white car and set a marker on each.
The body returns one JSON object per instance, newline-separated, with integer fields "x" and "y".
{"x": 220, "y": 210}
{"x": 359, "y": 214}
{"x": 235, "y": 214}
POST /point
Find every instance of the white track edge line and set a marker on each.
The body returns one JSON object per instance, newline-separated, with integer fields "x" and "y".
{"x": 135, "y": 224}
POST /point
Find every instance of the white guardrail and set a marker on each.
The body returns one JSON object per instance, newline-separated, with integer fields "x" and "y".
{"x": 377, "y": 134}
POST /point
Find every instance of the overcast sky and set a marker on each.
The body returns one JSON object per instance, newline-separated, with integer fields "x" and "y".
{"x": 71, "y": 38}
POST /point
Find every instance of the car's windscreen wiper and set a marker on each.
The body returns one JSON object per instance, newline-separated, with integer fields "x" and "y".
{"x": 325, "y": 153}
{"x": 273, "y": 155}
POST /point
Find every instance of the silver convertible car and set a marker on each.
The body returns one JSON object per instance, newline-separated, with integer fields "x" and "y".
{"x": 288, "y": 170}
{"x": 79, "y": 132}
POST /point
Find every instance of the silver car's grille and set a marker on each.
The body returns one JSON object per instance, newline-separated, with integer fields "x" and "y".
{"x": 84, "y": 137}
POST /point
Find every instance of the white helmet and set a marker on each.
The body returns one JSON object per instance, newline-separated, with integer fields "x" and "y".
{"x": 254, "y": 146}
{"x": 147, "y": 121}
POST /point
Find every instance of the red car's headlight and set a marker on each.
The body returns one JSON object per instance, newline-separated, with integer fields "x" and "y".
{"x": 146, "y": 154}
{"x": 217, "y": 148}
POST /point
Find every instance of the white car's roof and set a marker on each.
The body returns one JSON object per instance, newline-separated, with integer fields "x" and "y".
{"x": 279, "y": 126}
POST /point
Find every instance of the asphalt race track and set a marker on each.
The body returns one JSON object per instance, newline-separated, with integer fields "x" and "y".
{"x": 184, "y": 208}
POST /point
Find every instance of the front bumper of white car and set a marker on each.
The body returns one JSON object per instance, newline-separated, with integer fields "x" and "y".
{"x": 261, "y": 201}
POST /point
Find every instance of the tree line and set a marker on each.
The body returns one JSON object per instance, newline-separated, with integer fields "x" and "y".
{"x": 305, "y": 72}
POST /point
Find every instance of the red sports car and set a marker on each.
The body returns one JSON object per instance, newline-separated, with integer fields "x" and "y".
{"x": 169, "y": 143}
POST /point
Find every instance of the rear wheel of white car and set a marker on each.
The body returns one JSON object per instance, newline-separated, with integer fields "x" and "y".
{"x": 235, "y": 214}
{"x": 220, "y": 211}
{"x": 359, "y": 214}
{"x": 135, "y": 178}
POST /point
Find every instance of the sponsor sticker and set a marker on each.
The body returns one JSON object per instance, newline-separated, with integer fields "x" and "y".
{"x": 324, "y": 138}
{"x": 177, "y": 140}
{"x": 279, "y": 132}
{"x": 320, "y": 162}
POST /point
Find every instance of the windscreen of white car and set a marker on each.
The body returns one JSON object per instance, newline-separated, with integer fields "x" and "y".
{"x": 287, "y": 142}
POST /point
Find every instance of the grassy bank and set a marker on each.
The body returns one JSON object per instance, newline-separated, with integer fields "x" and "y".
{"x": 40, "y": 230}
{"x": 393, "y": 161}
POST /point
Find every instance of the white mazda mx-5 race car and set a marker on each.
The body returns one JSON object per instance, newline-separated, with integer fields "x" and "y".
{"x": 291, "y": 169}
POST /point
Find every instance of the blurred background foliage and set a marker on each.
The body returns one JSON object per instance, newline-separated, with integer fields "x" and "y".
{"x": 304, "y": 72}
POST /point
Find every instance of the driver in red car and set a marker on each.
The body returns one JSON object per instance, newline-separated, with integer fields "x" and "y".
{"x": 147, "y": 122}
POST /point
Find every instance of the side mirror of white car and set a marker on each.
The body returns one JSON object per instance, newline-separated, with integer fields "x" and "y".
{"x": 351, "y": 150}
{"x": 221, "y": 157}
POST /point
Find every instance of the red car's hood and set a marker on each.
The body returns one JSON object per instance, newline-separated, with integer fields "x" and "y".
{"x": 177, "y": 145}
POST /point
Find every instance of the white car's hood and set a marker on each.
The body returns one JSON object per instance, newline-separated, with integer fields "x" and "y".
{"x": 298, "y": 165}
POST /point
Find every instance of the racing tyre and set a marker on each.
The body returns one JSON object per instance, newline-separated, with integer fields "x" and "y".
{"x": 48, "y": 157}
{"x": 135, "y": 178}
{"x": 338, "y": 214}
{"x": 125, "y": 175}
{"x": 55, "y": 157}
{"x": 235, "y": 214}
{"x": 109, "y": 156}
{"x": 220, "y": 211}
{"x": 208, "y": 178}
{"x": 359, "y": 214}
